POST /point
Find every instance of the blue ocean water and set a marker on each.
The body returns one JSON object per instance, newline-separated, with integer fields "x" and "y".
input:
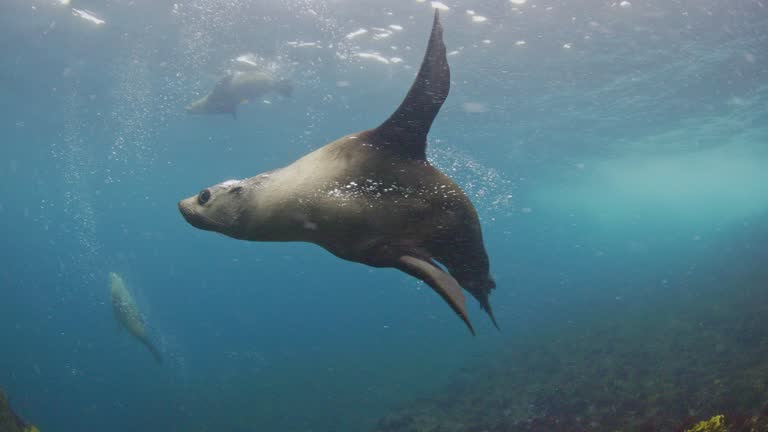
{"x": 615, "y": 152}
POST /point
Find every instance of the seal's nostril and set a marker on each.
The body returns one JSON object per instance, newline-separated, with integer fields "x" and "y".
{"x": 185, "y": 211}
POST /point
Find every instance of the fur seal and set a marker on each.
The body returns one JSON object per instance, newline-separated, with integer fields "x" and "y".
{"x": 236, "y": 88}
{"x": 370, "y": 197}
{"x": 127, "y": 314}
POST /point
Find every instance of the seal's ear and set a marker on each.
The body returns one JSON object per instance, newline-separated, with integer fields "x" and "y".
{"x": 440, "y": 281}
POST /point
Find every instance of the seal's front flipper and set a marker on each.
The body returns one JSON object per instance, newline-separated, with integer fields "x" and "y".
{"x": 442, "y": 282}
{"x": 407, "y": 128}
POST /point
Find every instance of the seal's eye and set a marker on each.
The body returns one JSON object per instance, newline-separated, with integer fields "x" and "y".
{"x": 203, "y": 196}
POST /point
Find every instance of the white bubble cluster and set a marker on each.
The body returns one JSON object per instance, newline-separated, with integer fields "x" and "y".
{"x": 133, "y": 151}
{"x": 489, "y": 190}
{"x": 74, "y": 161}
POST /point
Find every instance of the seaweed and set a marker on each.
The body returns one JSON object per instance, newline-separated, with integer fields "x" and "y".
{"x": 9, "y": 420}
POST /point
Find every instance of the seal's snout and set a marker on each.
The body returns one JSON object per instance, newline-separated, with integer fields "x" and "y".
{"x": 192, "y": 217}
{"x": 185, "y": 212}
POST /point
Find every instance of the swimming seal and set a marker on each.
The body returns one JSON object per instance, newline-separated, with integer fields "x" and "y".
{"x": 370, "y": 197}
{"x": 127, "y": 314}
{"x": 236, "y": 88}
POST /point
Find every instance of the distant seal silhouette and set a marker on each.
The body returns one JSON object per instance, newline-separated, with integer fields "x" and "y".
{"x": 236, "y": 88}
{"x": 127, "y": 314}
{"x": 370, "y": 197}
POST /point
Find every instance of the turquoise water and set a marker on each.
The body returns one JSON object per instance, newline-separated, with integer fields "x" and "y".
{"x": 615, "y": 152}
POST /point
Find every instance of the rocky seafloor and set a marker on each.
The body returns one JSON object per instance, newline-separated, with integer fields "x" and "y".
{"x": 668, "y": 367}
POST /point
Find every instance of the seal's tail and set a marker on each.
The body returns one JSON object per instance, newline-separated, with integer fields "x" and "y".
{"x": 284, "y": 88}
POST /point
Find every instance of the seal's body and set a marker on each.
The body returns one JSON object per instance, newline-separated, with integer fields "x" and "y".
{"x": 127, "y": 313}
{"x": 237, "y": 88}
{"x": 370, "y": 197}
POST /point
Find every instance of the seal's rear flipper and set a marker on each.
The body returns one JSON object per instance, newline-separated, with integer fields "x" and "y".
{"x": 442, "y": 282}
{"x": 486, "y": 306}
{"x": 480, "y": 290}
{"x": 155, "y": 352}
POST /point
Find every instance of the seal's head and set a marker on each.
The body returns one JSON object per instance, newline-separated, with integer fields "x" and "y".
{"x": 114, "y": 277}
{"x": 219, "y": 208}
{"x": 115, "y": 282}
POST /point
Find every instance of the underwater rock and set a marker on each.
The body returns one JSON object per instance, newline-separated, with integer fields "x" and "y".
{"x": 9, "y": 421}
